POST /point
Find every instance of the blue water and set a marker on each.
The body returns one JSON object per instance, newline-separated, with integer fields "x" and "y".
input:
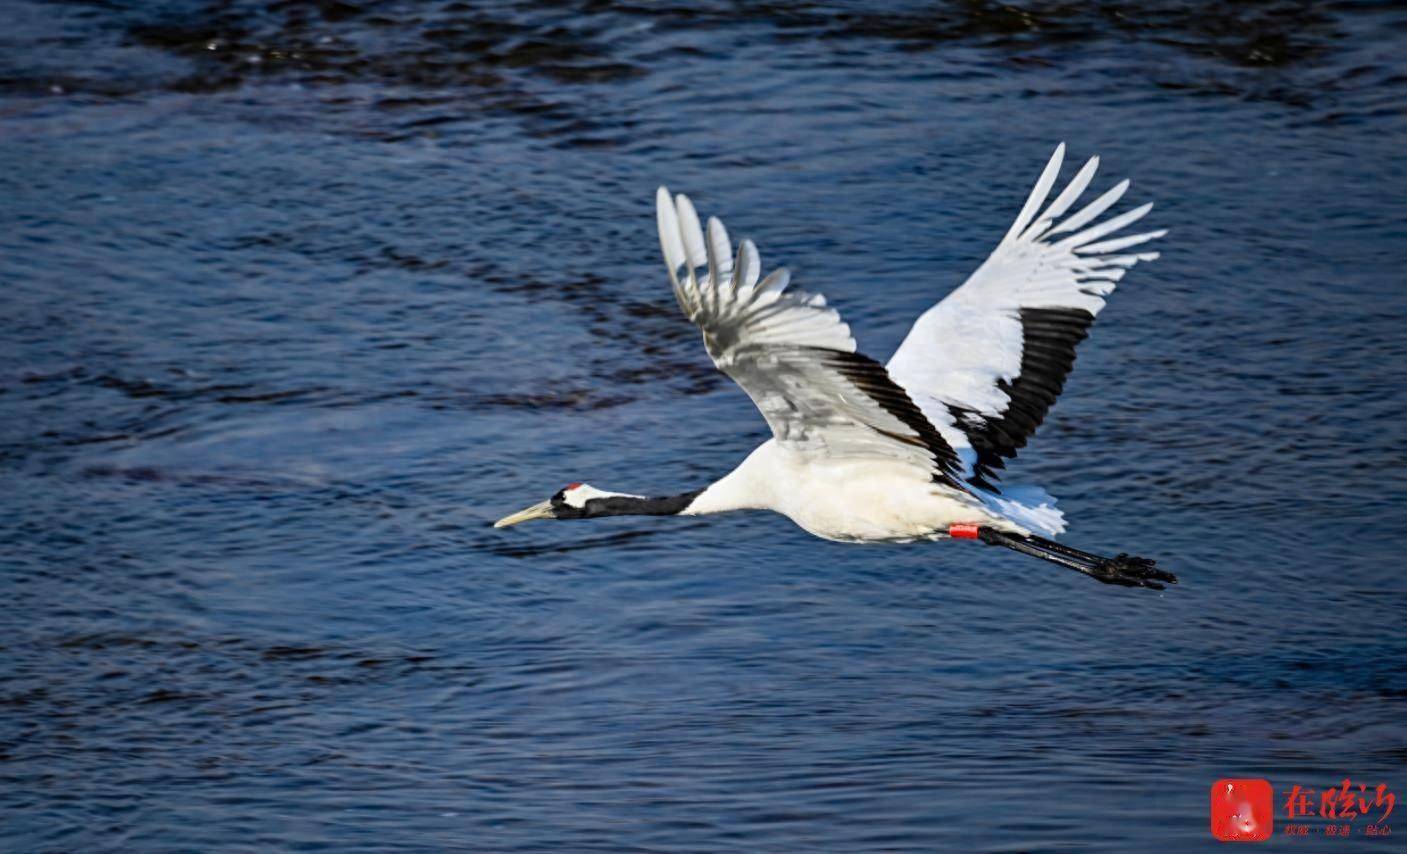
{"x": 299, "y": 299}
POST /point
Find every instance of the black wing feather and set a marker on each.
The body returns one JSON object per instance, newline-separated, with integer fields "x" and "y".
{"x": 1049, "y": 338}
{"x": 873, "y": 379}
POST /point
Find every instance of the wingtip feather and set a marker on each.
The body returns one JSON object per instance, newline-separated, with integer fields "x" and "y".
{"x": 1094, "y": 208}
{"x": 668, "y": 222}
{"x": 1119, "y": 243}
{"x": 752, "y": 265}
{"x": 690, "y": 232}
{"x": 1065, "y": 200}
{"x": 1038, "y": 194}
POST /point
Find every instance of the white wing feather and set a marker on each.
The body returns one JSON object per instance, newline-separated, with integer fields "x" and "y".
{"x": 792, "y": 354}
{"x": 964, "y": 354}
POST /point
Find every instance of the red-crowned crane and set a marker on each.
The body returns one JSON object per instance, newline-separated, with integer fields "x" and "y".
{"x": 863, "y": 452}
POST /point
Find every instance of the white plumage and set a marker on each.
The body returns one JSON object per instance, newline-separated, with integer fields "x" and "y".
{"x": 868, "y": 453}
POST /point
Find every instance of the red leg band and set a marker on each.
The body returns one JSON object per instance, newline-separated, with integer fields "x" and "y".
{"x": 963, "y": 532}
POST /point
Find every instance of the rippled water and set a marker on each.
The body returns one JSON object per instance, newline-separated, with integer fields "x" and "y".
{"x": 300, "y": 297}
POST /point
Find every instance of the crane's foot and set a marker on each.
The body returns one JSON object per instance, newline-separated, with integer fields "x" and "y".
{"x": 1123, "y": 569}
{"x": 1131, "y": 571}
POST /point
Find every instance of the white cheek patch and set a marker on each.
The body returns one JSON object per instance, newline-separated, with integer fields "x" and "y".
{"x": 579, "y": 495}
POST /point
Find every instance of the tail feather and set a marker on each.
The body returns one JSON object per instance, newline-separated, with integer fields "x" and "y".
{"x": 1030, "y": 507}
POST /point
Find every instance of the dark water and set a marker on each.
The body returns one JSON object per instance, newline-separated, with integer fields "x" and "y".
{"x": 299, "y": 297}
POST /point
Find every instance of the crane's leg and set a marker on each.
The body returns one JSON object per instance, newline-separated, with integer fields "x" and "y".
{"x": 1123, "y": 569}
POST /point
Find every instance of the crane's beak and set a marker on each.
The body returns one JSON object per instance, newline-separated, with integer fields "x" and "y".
{"x": 541, "y": 510}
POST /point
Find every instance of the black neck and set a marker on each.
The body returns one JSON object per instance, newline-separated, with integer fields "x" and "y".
{"x": 627, "y": 505}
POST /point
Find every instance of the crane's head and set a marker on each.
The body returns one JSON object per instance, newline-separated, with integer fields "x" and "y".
{"x": 568, "y": 503}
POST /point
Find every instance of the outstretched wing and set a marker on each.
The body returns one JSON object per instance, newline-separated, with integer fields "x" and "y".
{"x": 793, "y": 355}
{"x": 986, "y": 363}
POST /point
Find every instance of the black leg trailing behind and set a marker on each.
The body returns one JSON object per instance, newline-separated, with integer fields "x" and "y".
{"x": 1125, "y": 570}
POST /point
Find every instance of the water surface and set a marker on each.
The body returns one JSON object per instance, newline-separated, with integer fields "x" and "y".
{"x": 299, "y": 298}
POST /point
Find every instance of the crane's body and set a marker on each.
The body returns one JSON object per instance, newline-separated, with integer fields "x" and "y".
{"x": 863, "y": 452}
{"x": 849, "y": 501}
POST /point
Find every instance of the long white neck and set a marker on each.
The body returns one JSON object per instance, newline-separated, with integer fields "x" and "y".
{"x": 747, "y": 487}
